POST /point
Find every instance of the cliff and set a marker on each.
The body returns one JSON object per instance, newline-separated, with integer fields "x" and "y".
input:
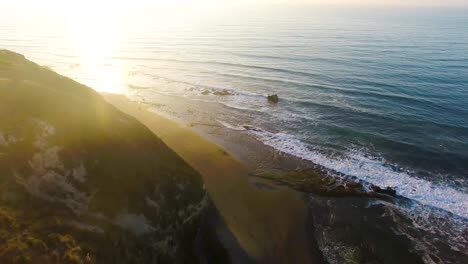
{"x": 82, "y": 182}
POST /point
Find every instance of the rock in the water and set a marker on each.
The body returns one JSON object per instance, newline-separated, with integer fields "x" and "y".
{"x": 313, "y": 180}
{"x": 217, "y": 92}
{"x": 273, "y": 98}
{"x": 222, "y": 93}
{"x": 386, "y": 191}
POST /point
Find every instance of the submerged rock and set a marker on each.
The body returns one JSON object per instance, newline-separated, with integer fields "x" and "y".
{"x": 314, "y": 180}
{"x": 273, "y": 98}
{"x": 84, "y": 182}
{"x": 359, "y": 230}
{"x": 217, "y": 92}
{"x": 387, "y": 190}
{"x": 223, "y": 93}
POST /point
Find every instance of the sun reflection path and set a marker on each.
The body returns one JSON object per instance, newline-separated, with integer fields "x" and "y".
{"x": 95, "y": 41}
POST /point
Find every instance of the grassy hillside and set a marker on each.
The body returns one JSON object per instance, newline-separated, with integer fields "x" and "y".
{"x": 81, "y": 182}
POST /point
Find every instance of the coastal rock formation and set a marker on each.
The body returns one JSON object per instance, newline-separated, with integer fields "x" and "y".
{"x": 314, "y": 180}
{"x": 349, "y": 220}
{"x": 217, "y": 92}
{"x": 82, "y": 182}
{"x": 273, "y": 98}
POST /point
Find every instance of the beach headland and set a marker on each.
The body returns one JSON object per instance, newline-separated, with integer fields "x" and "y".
{"x": 100, "y": 178}
{"x": 269, "y": 224}
{"x": 117, "y": 183}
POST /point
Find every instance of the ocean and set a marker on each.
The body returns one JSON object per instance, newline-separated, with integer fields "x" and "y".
{"x": 380, "y": 94}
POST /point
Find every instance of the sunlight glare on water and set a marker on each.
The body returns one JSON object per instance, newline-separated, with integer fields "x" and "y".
{"x": 94, "y": 39}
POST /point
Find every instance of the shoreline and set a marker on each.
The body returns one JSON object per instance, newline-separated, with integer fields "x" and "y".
{"x": 269, "y": 224}
{"x": 275, "y": 208}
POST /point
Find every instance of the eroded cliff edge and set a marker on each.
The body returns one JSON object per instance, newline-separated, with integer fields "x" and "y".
{"x": 82, "y": 182}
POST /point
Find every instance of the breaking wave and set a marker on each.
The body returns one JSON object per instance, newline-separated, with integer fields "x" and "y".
{"x": 369, "y": 169}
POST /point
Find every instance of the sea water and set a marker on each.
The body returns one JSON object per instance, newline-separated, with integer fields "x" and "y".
{"x": 380, "y": 94}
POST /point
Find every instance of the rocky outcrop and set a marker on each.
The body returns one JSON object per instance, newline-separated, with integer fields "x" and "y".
{"x": 314, "y": 180}
{"x": 217, "y": 92}
{"x": 82, "y": 182}
{"x": 350, "y": 220}
{"x": 273, "y": 98}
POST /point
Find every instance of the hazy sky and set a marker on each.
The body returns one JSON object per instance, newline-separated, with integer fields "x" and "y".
{"x": 80, "y": 8}
{"x": 222, "y": 2}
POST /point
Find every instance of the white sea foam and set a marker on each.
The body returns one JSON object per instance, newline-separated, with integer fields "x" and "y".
{"x": 235, "y": 98}
{"x": 374, "y": 172}
{"x": 227, "y": 125}
{"x": 435, "y": 225}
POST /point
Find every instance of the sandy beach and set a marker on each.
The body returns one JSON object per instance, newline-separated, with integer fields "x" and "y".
{"x": 269, "y": 224}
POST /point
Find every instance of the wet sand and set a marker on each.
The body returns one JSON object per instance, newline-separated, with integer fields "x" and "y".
{"x": 269, "y": 224}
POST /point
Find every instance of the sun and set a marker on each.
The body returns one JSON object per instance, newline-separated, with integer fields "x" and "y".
{"x": 95, "y": 31}
{"x": 93, "y": 35}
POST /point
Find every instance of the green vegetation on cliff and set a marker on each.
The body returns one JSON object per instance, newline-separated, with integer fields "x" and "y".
{"x": 81, "y": 182}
